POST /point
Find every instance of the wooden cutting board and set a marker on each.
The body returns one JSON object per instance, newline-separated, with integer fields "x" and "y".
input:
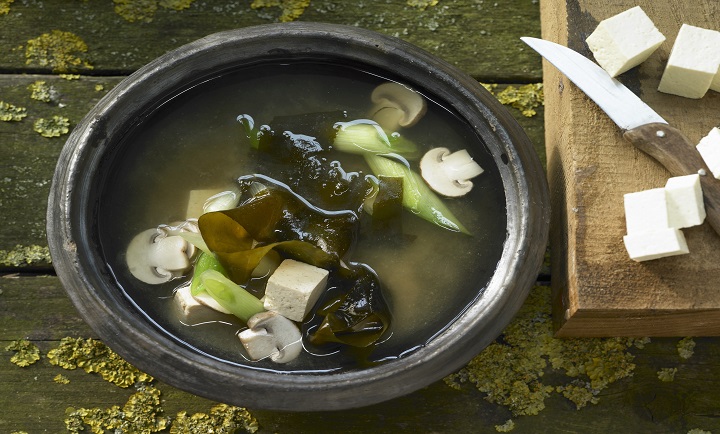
{"x": 598, "y": 290}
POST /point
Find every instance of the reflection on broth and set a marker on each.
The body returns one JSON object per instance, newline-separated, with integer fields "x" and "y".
{"x": 321, "y": 176}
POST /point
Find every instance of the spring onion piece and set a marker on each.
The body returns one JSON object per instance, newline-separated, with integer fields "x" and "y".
{"x": 230, "y": 295}
{"x": 417, "y": 196}
{"x": 205, "y": 262}
{"x": 364, "y": 136}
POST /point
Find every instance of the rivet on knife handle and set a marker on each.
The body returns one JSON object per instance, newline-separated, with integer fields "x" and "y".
{"x": 674, "y": 151}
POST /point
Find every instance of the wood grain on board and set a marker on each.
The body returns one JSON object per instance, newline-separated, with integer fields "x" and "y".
{"x": 598, "y": 290}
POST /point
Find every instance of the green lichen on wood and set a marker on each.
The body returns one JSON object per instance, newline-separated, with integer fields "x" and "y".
{"x": 511, "y": 371}
{"x": 144, "y": 10}
{"x": 290, "y": 10}
{"x": 525, "y": 98}
{"x": 56, "y": 126}
{"x": 92, "y": 355}
{"x": 686, "y": 347}
{"x": 11, "y": 113}
{"x": 222, "y": 419}
{"x": 26, "y": 353}
{"x": 422, "y": 4}
{"x": 61, "y": 379}
{"x": 667, "y": 374}
{"x": 698, "y": 431}
{"x": 141, "y": 413}
{"x": 41, "y": 91}
{"x": 58, "y": 50}
{"x": 21, "y": 256}
{"x": 508, "y": 426}
{"x": 5, "y": 6}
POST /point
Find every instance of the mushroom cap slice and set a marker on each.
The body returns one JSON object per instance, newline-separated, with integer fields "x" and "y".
{"x": 396, "y": 105}
{"x": 286, "y": 337}
{"x": 449, "y": 173}
{"x": 156, "y": 256}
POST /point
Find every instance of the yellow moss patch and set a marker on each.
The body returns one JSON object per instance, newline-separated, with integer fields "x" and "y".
{"x": 25, "y": 255}
{"x": 41, "y": 91}
{"x": 508, "y": 426}
{"x": 510, "y": 371}
{"x": 140, "y": 414}
{"x": 61, "y": 379}
{"x": 422, "y": 4}
{"x": 686, "y": 347}
{"x": 99, "y": 88}
{"x": 53, "y": 127}
{"x": 11, "y": 113}
{"x": 26, "y": 353}
{"x": 525, "y": 98}
{"x": 70, "y": 77}
{"x": 93, "y": 356}
{"x": 290, "y": 9}
{"x": 667, "y": 374}
{"x": 5, "y": 6}
{"x": 222, "y": 418}
{"x": 58, "y": 50}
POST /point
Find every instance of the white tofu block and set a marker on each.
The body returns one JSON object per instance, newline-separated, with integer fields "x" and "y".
{"x": 685, "y": 206}
{"x": 196, "y": 200}
{"x": 293, "y": 289}
{"x": 693, "y": 62}
{"x": 624, "y": 41}
{"x": 191, "y": 310}
{"x": 646, "y": 211}
{"x": 709, "y": 149}
{"x": 715, "y": 85}
{"x": 644, "y": 246}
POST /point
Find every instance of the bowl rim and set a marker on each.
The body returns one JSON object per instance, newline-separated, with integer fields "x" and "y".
{"x": 70, "y": 215}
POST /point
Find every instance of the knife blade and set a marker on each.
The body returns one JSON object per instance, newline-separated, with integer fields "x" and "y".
{"x": 641, "y": 125}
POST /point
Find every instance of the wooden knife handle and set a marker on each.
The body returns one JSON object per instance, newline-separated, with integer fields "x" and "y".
{"x": 674, "y": 151}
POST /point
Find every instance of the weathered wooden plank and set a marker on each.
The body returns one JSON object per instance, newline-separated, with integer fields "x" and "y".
{"x": 33, "y": 402}
{"x": 27, "y": 159}
{"x": 479, "y": 37}
{"x": 599, "y": 290}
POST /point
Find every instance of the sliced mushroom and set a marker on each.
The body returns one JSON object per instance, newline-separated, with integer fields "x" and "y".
{"x": 158, "y": 255}
{"x": 396, "y": 106}
{"x": 271, "y": 335}
{"x": 449, "y": 173}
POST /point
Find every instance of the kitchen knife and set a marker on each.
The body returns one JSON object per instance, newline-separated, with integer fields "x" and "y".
{"x": 641, "y": 126}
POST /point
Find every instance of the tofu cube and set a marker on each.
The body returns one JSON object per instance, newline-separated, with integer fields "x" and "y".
{"x": 709, "y": 148}
{"x": 646, "y": 211}
{"x": 293, "y": 289}
{"x": 685, "y": 206}
{"x": 660, "y": 243}
{"x": 693, "y": 62}
{"x": 191, "y": 310}
{"x": 715, "y": 85}
{"x": 196, "y": 200}
{"x": 624, "y": 41}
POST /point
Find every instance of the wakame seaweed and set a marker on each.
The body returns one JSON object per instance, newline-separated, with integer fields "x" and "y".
{"x": 275, "y": 218}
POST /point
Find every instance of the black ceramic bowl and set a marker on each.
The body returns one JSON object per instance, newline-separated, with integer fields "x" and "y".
{"x": 89, "y": 154}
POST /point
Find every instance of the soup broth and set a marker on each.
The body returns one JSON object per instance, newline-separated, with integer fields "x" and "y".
{"x": 193, "y": 141}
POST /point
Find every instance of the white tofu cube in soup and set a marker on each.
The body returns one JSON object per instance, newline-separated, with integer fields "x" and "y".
{"x": 693, "y": 62}
{"x": 709, "y": 149}
{"x": 624, "y": 41}
{"x": 655, "y": 244}
{"x": 192, "y": 310}
{"x": 293, "y": 289}
{"x": 684, "y": 201}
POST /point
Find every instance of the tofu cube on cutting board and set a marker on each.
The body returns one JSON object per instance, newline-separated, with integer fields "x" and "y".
{"x": 293, "y": 289}
{"x": 709, "y": 149}
{"x": 624, "y": 41}
{"x": 693, "y": 62}
{"x": 654, "y": 218}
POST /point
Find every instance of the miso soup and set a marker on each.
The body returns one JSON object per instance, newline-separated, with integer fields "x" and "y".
{"x": 206, "y": 138}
